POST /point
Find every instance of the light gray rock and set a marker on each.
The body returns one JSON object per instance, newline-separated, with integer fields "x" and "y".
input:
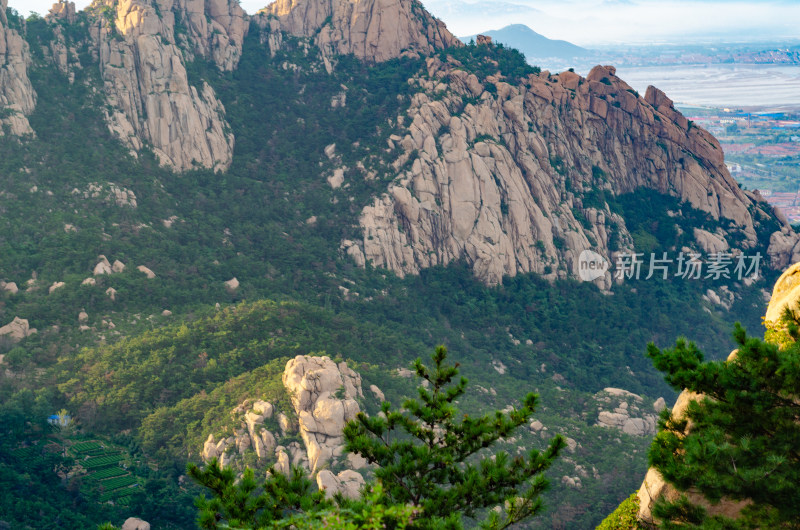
{"x": 17, "y": 329}
{"x": 372, "y": 30}
{"x": 147, "y": 272}
{"x": 348, "y": 483}
{"x": 17, "y": 96}
{"x": 134, "y": 523}
{"x": 323, "y": 395}
{"x": 511, "y": 203}
{"x": 149, "y": 97}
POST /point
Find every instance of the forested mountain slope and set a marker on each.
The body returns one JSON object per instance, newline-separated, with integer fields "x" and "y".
{"x": 374, "y": 188}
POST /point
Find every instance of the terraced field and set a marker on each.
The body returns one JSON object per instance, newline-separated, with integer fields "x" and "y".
{"x": 107, "y": 478}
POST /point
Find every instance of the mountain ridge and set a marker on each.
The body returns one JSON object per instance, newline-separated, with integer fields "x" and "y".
{"x": 534, "y": 45}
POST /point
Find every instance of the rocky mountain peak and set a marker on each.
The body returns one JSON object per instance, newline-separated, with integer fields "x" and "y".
{"x": 142, "y": 49}
{"x": 509, "y": 175}
{"x": 372, "y": 30}
{"x": 17, "y": 96}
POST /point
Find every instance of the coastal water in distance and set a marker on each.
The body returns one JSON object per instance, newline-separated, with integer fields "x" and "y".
{"x": 741, "y": 86}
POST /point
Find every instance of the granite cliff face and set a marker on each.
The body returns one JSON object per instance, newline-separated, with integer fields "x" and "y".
{"x": 372, "y": 30}
{"x": 144, "y": 73}
{"x": 17, "y": 96}
{"x": 497, "y": 174}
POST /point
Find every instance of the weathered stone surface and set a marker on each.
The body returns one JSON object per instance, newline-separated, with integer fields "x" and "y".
{"x": 499, "y": 182}
{"x": 377, "y": 393}
{"x": 323, "y": 395}
{"x": 373, "y": 30}
{"x": 17, "y": 96}
{"x": 17, "y": 329}
{"x": 710, "y": 243}
{"x": 102, "y": 267}
{"x": 282, "y": 465}
{"x": 147, "y": 272}
{"x": 626, "y": 415}
{"x": 348, "y": 483}
{"x": 134, "y": 523}
{"x": 146, "y": 83}
{"x": 785, "y": 294}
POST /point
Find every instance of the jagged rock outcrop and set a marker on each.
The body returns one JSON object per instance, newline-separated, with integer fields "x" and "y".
{"x": 323, "y": 395}
{"x": 498, "y": 174}
{"x": 627, "y": 414}
{"x": 372, "y": 30}
{"x": 146, "y": 83}
{"x": 785, "y": 294}
{"x": 17, "y": 96}
{"x": 250, "y": 435}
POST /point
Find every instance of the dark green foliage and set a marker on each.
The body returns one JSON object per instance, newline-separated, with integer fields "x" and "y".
{"x": 287, "y": 502}
{"x": 241, "y": 504}
{"x": 743, "y": 439}
{"x": 425, "y": 454}
{"x": 624, "y": 517}
{"x": 484, "y": 61}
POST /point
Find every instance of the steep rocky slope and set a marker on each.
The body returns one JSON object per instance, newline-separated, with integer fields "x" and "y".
{"x": 511, "y": 176}
{"x": 372, "y": 30}
{"x": 144, "y": 72}
{"x": 17, "y": 97}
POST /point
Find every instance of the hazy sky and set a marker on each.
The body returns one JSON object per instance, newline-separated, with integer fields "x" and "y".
{"x": 591, "y": 22}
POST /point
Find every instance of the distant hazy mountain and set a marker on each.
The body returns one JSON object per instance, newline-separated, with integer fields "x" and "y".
{"x": 532, "y": 44}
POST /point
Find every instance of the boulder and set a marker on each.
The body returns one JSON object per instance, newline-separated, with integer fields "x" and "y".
{"x": 282, "y": 465}
{"x": 231, "y": 285}
{"x": 134, "y": 523}
{"x": 348, "y": 483}
{"x": 111, "y": 293}
{"x": 89, "y": 281}
{"x": 102, "y": 267}
{"x": 11, "y": 287}
{"x": 83, "y": 316}
{"x": 209, "y": 448}
{"x": 264, "y": 408}
{"x": 17, "y": 330}
{"x": 710, "y": 243}
{"x": 118, "y": 266}
{"x": 268, "y": 441}
{"x": 147, "y": 272}
{"x": 56, "y": 285}
{"x": 377, "y": 393}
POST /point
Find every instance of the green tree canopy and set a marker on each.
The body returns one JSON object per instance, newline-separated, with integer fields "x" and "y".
{"x": 741, "y": 441}
{"x": 424, "y": 454}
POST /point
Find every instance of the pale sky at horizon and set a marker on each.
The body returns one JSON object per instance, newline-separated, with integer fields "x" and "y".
{"x": 597, "y": 22}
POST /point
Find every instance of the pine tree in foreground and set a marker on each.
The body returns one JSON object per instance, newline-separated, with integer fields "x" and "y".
{"x": 429, "y": 472}
{"x": 743, "y": 441}
{"x": 427, "y": 455}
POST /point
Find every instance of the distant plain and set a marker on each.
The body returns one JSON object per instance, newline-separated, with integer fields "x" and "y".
{"x": 747, "y": 87}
